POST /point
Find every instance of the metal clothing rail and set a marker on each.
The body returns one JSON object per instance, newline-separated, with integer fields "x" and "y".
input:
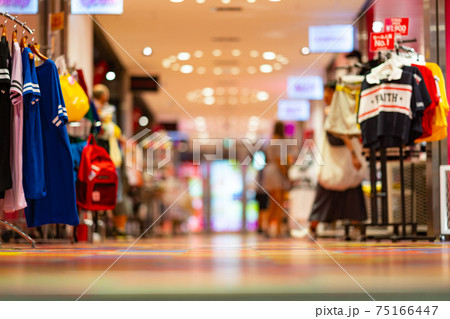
{"x": 22, "y": 24}
{"x": 3, "y": 222}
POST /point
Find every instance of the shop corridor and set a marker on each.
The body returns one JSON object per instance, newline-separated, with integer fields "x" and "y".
{"x": 227, "y": 267}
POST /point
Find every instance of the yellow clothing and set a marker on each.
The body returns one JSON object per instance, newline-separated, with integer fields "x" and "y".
{"x": 439, "y": 124}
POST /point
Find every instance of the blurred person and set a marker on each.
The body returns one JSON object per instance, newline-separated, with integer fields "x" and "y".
{"x": 276, "y": 183}
{"x": 339, "y": 194}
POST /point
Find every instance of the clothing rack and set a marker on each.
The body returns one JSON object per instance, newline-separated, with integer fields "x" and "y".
{"x": 22, "y": 24}
{"x": 383, "y": 195}
{"x": 4, "y": 222}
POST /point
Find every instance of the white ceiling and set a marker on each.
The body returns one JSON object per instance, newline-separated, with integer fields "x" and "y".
{"x": 170, "y": 28}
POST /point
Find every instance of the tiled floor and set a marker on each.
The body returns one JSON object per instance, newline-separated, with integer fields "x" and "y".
{"x": 227, "y": 267}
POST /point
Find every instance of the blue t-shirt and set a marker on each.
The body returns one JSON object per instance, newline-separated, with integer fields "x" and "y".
{"x": 59, "y": 206}
{"x": 33, "y": 155}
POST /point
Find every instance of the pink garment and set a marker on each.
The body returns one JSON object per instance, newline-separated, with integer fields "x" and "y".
{"x": 15, "y": 197}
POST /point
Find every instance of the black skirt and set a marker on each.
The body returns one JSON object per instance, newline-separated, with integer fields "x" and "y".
{"x": 330, "y": 205}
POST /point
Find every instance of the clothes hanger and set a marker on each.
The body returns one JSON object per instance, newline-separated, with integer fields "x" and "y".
{"x": 4, "y": 29}
{"x": 35, "y": 50}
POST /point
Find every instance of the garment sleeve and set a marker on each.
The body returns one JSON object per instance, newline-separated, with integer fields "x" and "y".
{"x": 425, "y": 100}
{"x": 62, "y": 111}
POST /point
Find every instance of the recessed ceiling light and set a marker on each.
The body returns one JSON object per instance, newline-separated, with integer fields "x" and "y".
{"x": 269, "y": 55}
{"x": 262, "y": 96}
{"x": 172, "y": 58}
{"x": 166, "y": 63}
{"x": 198, "y": 54}
{"x": 208, "y": 92}
{"x": 233, "y": 91}
{"x": 226, "y": 1}
{"x": 251, "y": 1}
{"x": 277, "y": 66}
{"x": 254, "y": 54}
{"x": 175, "y": 66}
{"x": 111, "y": 76}
{"x": 284, "y": 60}
{"x": 184, "y": 56}
{"x": 235, "y": 70}
{"x": 143, "y": 121}
{"x": 266, "y": 68}
{"x": 217, "y": 52}
{"x": 209, "y": 100}
{"x": 186, "y": 68}
{"x": 305, "y": 51}
{"x": 236, "y": 52}
{"x": 176, "y": 1}
{"x": 274, "y": 0}
{"x": 251, "y": 70}
{"x": 217, "y": 71}
{"x": 233, "y": 100}
{"x": 201, "y": 70}
{"x": 245, "y": 91}
{"x": 220, "y": 91}
{"x": 147, "y": 51}
{"x": 200, "y": 1}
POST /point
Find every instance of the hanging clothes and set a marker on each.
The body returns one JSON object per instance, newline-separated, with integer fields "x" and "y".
{"x": 15, "y": 197}
{"x": 33, "y": 154}
{"x": 59, "y": 206}
{"x": 389, "y": 103}
{"x": 439, "y": 118}
{"x": 5, "y": 118}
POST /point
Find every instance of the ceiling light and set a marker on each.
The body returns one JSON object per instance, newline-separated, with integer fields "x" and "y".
{"x": 266, "y": 68}
{"x": 277, "y": 66}
{"x": 217, "y": 52}
{"x": 110, "y": 76}
{"x": 262, "y": 96}
{"x": 251, "y": 70}
{"x": 166, "y": 63}
{"x": 176, "y": 1}
{"x": 220, "y": 91}
{"x": 251, "y": 1}
{"x": 377, "y": 26}
{"x": 233, "y": 91}
{"x": 200, "y": 121}
{"x": 274, "y": 0}
{"x": 198, "y": 54}
{"x": 226, "y": 1}
{"x": 186, "y": 68}
{"x": 143, "y": 121}
{"x": 208, "y": 92}
{"x": 201, "y": 70}
{"x": 305, "y": 51}
{"x": 254, "y": 54}
{"x": 235, "y": 70}
{"x": 184, "y": 56}
{"x": 147, "y": 51}
{"x": 209, "y": 100}
{"x": 236, "y": 52}
{"x": 200, "y": 1}
{"x": 172, "y": 58}
{"x": 217, "y": 71}
{"x": 233, "y": 100}
{"x": 269, "y": 55}
{"x": 284, "y": 61}
{"x": 245, "y": 91}
{"x": 175, "y": 66}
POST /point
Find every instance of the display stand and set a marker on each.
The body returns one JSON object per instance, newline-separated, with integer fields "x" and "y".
{"x": 383, "y": 195}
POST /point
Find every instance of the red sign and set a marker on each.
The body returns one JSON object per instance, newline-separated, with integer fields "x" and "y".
{"x": 397, "y": 25}
{"x": 382, "y": 41}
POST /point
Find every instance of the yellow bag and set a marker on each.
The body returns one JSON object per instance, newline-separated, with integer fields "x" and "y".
{"x": 76, "y": 100}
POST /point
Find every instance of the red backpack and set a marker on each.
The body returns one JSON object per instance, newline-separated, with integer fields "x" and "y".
{"x": 97, "y": 178}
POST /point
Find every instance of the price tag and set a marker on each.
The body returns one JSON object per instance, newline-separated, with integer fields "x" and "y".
{"x": 382, "y": 41}
{"x": 397, "y": 25}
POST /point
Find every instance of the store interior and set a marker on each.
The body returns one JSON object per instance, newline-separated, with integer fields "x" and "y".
{"x": 180, "y": 102}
